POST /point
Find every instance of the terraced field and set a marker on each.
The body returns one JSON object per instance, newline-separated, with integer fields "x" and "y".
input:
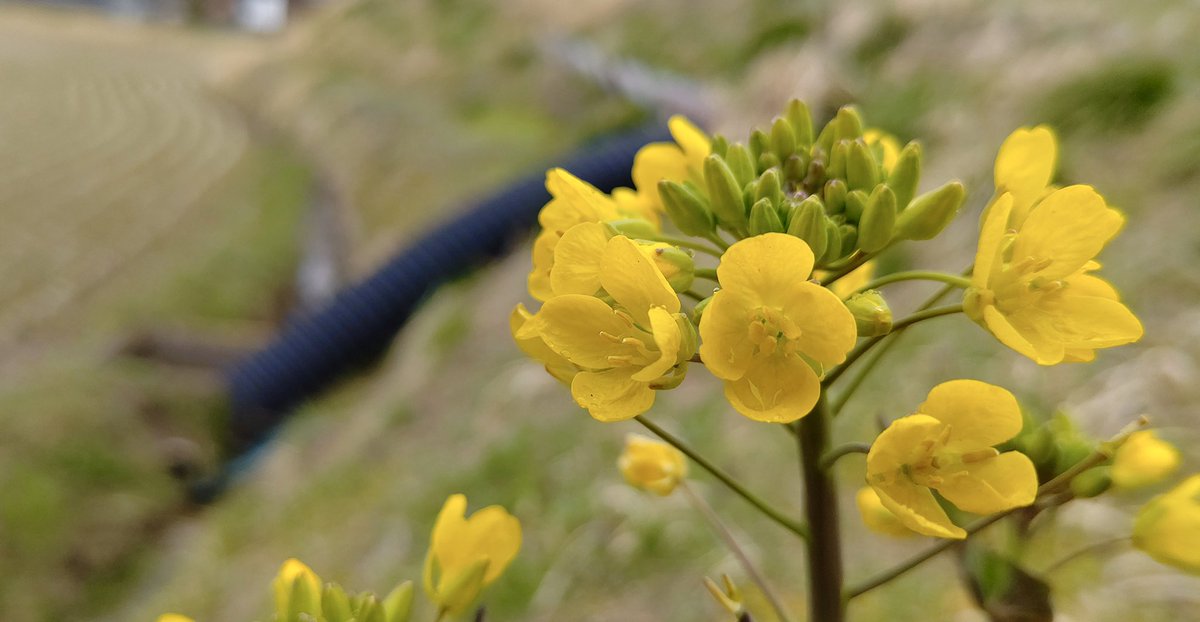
{"x": 103, "y": 152}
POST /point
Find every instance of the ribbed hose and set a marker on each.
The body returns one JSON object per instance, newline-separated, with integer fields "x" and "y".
{"x": 314, "y": 351}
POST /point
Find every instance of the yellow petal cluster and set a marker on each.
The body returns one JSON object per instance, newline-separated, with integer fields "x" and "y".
{"x": 680, "y": 161}
{"x": 1168, "y": 527}
{"x": 297, "y": 589}
{"x": 888, "y": 146}
{"x": 623, "y": 349}
{"x": 877, "y": 517}
{"x": 1031, "y": 286}
{"x": 650, "y": 464}
{"x": 948, "y": 446}
{"x": 768, "y": 327}
{"x": 468, "y": 553}
{"x": 1144, "y": 460}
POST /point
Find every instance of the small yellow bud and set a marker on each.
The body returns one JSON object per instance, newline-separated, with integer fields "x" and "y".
{"x": 871, "y": 313}
{"x": 1144, "y": 460}
{"x": 878, "y": 220}
{"x": 929, "y": 213}
{"x": 652, "y": 465}
{"x": 1168, "y": 527}
{"x": 878, "y": 518}
{"x": 297, "y": 590}
{"x": 760, "y": 143}
{"x": 173, "y": 617}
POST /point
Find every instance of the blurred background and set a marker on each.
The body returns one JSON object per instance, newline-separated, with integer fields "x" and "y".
{"x": 177, "y": 178}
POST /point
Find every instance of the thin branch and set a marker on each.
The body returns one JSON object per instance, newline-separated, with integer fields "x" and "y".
{"x": 682, "y": 243}
{"x": 706, "y": 273}
{"x": 919, "y": 316}
{"x": 834, "y": 454}
{"x": 916, "y": 275}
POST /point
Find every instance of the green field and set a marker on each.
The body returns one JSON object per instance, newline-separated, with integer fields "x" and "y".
{"x": 158, "y": 179}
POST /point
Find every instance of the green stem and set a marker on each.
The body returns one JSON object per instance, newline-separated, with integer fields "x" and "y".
{"x": 682, "y": 243}
{"x": 821, "y": 508}
{"x": 1100, "y": 455}
{"x": 693, "y": 295}
{"x": 852, "y": 263}
{"x": 863, "y": 348}
{"x": 706, "y": 273}
{"x": 787, "y": 523}
{"x": 1085, "y": 552}
{"x": 916, "y": 275}
{"x": 723, "y": 532}
{"x": 715, "y": 238}
{"x": 834, "y": 454}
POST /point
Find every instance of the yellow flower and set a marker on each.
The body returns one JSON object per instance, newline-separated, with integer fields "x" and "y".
{"x": 768, "y": 326}
{"x": 651, "y": 465}
{"x": 297, "y": 589}
{"x": 1031, "y": 287}
{"x": 1144, "y": 460}
{"x": 947, "y": 446}
{"x": 680, "y": 161}
{"x": 1024, "y": 168}
{"x": 173, "y": 617}
{"x": 889, "y": 147}
{"x": 560, "y": 368}
{"x": 625, "y": 352}
{"x": 1168, "y": 527}
{"x": 468, "y": 554}
{"x": 878, "y": 518}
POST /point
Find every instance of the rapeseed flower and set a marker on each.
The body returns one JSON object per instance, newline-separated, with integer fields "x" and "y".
{"x": 652, "y": 465}
{"x": 1168, "y": 527}
{"x": 876, "y": 516}
{"x": 468, "y": 554}
{"x": 1143, "y": 460}
{"x": 768, "y": 330}
{"x": 948, "y": 446}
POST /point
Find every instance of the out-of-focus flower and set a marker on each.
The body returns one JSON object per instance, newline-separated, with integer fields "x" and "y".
{"x": 650, "y": 464}
{"x": 468, "y": 554}
{"x": 1168, "y": 527}
{"x": 1144, "y": 460}
{"x": 1024, "y": 168}
{"x": 948, "y": 446}
{"x": 768, "y": 326}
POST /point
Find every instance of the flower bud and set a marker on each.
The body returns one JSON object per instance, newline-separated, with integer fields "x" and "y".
{"x": 906, "y": 175}
{"x": 720, "y": 145}
{"x": 825, "y": 139}
{"x": 1143, "y": 460}
{"x": 849, "y": 238}
{"x": 652, "y": 465}
{"x": 369, "y": 610}
{"x": 783, "y": 138}
{"x": 848, "y": 124}
{"x": 297, "y": 590}
{"x": 1092, "y": 482}
{"x": 801, "y": 121}
{"x": 689, "y": 339}
{"x": 768, "y": 160}
{"x": 397, "y": 605}
{"x": 862, "y": 171}
{"x": 698, "y": 310}
{"x": 741, "y": 163}
{"x": 725, "y": 194}
{"x": 837, "y": 159}
{"x": 335, "y": 605}
{"x": 878, "y": 220}
{"x": 929, "y": 213}
{"x": 871, "y": 313}
{"x": 769, "y": 187}
{"x": 856, "y": 204}
{"x": 833, "y": 242}
{"x": 760, "y": 143}
{"x": 1168, "y": 527}
{"x": 796, "y": 168}
{"x": 675, "y": 264}
{"x": 835, "y": 196}
{"x": 686, "y": 208}
{"x": 764, "y": 218}
{"x": 634, "y": 228}
{"x": 806, "y": 220}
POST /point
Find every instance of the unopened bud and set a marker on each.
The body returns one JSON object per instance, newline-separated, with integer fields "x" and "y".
{"x": 769, "y": 187}
{"x": 801, "y": 120}
{"x": 371, "y": 610}
{"x": 767, "y": 160}
{"x": 878, "y": 220}
{"x": 835, "y": 196}
{"x": 698, "y": 310}
{"x": 929, "y": 213}
{"x": 1092, "y": 482}
{"x": 720, "y": 145}
{"x": 833, "y": 242}
{"x": 675, "y": 264}
{"x": 796, "y": 168}
{"x": 837, "y": 159}
{"x": 871, "y": 313}
{"x": 856, "y": 204}
{"x": 848, "y": 124}
{"x": 634, "y": 228}
{"x": 398, "y": 604}
{"x": 725, "y": 194}
{"x": 862, "y": 171}
{"x": 335, "y": 605}
{"x": 741, "y": 163}
{"x": 806, "y": 220}
{"x": 849, "y": 238}
{"x": 686, "y": 208}
{"x": 690, "y": 340}
{"x": 906, "y": 175}
{"x": 764, "y": 218}
{"x": 760, "y": 143}
{"x": 783, "y": 138}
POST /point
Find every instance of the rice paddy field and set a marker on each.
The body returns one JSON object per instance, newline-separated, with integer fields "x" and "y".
{"x": 157, "y": 198}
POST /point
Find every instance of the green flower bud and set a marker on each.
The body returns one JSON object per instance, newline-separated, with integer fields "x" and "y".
{"x": 806, "y": 220}
{"x": 1092, "y": 482}
{"x": 835, "y": 196}
{"x": 304, "y": 597}
{"x": 673, "y": 378}
{"x": 690, "y": 342}
{"x": 764, "y": 218}
{"x": 833, "y": 243}
{"x": 783, "y": 138}
{"x": 371, "y": 610}
{"x": 767, "y": 160}
{"x": 720, "y": 145}
{"x": 769, "y": 187}
{"x": 398, "y": 604}
{"x": 906, "y": 175}
{"x": 686, "y": 208}
{"x": 929, "y": 213}
{"x": 856, "y": 204}
{"x": 837, "y": 159}
{"x": 878, "y": 220}
{"x": 848, "y": 124}
{"x": 827, "y": 137}
{"x": 741, "y": 163}
{"x": 862, "y": 170}
{"x": 849, "y": 238}
{"x": 698, "y": 310}
{"x": 795, "y": 168}
{"x": 634, "y": 228}
{"x": 335, "y": 605}
{"x": 871, "y": 313}
{"x": 675, "y": 264}
{"x": 725, "y": 194}
{"x": 760, "y": 143}
{"x": 801, "y": 120}
{"x": 1071, "y": 448}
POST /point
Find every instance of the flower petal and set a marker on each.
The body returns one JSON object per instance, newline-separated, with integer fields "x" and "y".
{"x": 899, "y": 446}
{"x": 543, "y": 263}
{"x": 575, "y": 201}
{"x": 696, "y": 145}
{"x": 611, "y": 395}
{"x": 724, "y": 346}
{"x": 577, "y": 259}
{"x": 634, "y": 282}
{"x": 1080, "y": 321}
{"x": 766, "y": 268}
{"x": 656, "y": 162}
{"x": 1008, "y": 335}
{"x": 979, "y": 414}
{"x": 575, "y": 326}
{"x": 917, "y": 509}
{"x": 1025, "y": 165}
{"x": 827, "y": 328}
{"x": 1004, "y": 482}
{"x": 1068, "y": 228}
{"x": 775, "y": 389}
{"x": 668, "y": 338}
{"x": 991, "y": 234}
